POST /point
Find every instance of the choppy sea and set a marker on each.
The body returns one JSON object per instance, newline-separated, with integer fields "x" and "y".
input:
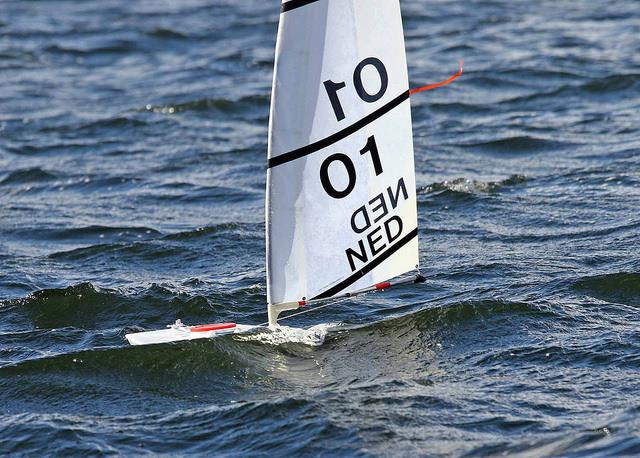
{"x": 132, "y": 176}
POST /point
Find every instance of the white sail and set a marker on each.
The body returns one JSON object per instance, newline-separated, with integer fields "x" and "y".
{"x": 341, "y": 204}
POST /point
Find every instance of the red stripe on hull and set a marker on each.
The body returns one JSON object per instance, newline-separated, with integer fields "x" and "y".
{"x": 212, "y": 327}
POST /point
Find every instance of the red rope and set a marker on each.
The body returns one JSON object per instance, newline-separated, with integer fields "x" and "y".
{"x": 441, "y": 83}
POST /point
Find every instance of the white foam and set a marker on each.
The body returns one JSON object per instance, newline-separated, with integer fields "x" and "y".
{"x": 313, "y": 336}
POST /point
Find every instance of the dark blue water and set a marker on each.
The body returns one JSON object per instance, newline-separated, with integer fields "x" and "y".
{"x": 132, "y": 175}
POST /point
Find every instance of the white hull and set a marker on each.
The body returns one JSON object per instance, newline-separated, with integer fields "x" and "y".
{"x": 178, "y": 332}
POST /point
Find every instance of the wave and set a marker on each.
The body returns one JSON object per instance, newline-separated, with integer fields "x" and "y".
{"x": 468, "y": 186}
{"x": 459, "y": 312}
{"x": 117, "y": 47}
{"x": 142, "y": 251}
{"x": 86, "y": 306}
{"x": 94, "y": 232}
{"x": 607, "y": 86}
{"x": 197, "y": 194}
{"x": 457, "y": 107}
{"x": 313, "y": 336}
{"x": 614, "y": 437}
{"x": 222, "y": 105}
{"x": 196, "y": 430}
{"x": 543, "y": 75}
{"x": 620, "y": 287}
{"x": 115, "y": 122}
{"x": 293, "y": 359}
{"x": 607, "y": 351}
{"x": 26, "y": 149}
{"x": 163, "y": 32}
{"x": 146, "y": 247}
{"x": 518, "y": 144}
{"x": 30, "y": 175}
{"x": 535, "y": 234}
{"x": 612, "y": 83}
{"x": 245, "y": 229}
{"x": 152, "y": 255}
{"x": 81, "y": 306}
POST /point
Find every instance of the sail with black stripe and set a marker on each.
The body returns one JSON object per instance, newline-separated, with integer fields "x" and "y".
{"x": 341, "y": 203}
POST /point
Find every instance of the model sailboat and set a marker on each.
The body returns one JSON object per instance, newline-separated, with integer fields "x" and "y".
{"x": 341, "y": 202}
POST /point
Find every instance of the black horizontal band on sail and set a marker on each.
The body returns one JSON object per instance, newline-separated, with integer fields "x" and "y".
{"x": 369, "y": 267}
{"x": 293, "y": 4}
{"x": 333, "y": 138}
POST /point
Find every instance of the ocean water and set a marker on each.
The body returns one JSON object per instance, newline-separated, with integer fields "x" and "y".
{"x": 132, "y": 176}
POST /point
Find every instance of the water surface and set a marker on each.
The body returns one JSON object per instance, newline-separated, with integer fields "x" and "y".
{"x": 132, "y": 174}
